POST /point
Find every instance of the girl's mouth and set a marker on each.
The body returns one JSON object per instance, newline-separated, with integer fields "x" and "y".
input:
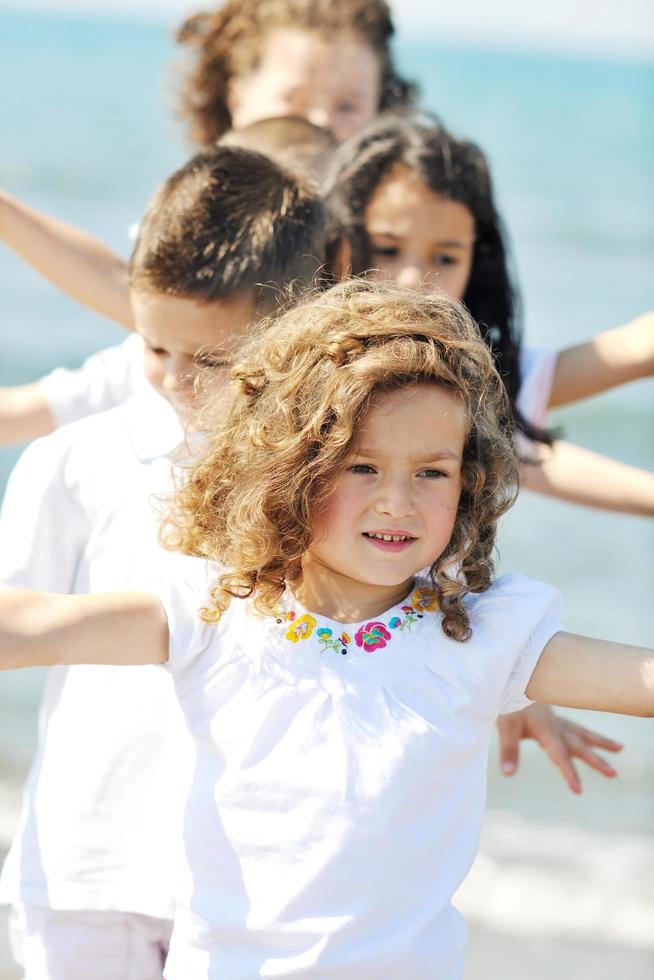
{"x": 388, "y": 540}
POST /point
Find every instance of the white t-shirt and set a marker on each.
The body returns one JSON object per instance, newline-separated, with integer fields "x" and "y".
{"x": 103, "y": 381}
{"x": 340, "y": 780}
{"x": 102, "y": 808}
{"x": 537, "y": 366}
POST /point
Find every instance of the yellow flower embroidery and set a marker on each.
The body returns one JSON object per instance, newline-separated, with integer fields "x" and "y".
{"x": 424, "y": 600}
{"x": 301, "y": 629}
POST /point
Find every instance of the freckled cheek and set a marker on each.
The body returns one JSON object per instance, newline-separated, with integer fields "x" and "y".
{"x": 339, "y": 514}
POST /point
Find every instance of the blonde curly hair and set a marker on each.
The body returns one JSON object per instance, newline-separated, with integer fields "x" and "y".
{"x": 227, "y": 42}
{"x": 283, "y": 430}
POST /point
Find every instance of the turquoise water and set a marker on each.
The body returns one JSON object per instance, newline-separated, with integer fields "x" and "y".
{"x": 87, "y": 133}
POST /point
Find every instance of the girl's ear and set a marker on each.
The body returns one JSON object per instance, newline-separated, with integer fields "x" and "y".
{"x": 342, "y": 258}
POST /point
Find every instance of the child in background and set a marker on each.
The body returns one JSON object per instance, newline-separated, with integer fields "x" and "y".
{"x": 90, "y": 873}
{"x": 329, "y": 63}
{"x": 93, "y": 274}
{"x": 290, "y": 140}
{"x": 417, "y": 206}
{"x": 340, "y": 704}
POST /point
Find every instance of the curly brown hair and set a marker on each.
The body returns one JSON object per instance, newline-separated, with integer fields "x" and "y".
{"x": 227, "y": 42}
{"x": 298, "y": 396}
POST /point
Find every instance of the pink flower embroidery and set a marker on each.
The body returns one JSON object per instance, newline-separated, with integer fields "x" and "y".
{"x": 372, "y": 636}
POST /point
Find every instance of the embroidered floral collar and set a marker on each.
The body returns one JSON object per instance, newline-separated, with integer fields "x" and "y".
{"x": 368, "y": 637}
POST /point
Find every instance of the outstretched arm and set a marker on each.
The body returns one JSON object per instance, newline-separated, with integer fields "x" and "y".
{"x": 582, "y": 672}
{"x": 584, "y": 477}
{"x": 39, "y": 629}
{"x": 563, "y": 741}
{"x": 609, "y": 359}
{"x": 24, "y": 414}
{"x": 74, "y": 261}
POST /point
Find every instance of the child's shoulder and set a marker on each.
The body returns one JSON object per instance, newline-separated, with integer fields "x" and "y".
{"x": 105, "y": 379}
{"x": 512, "y": 598}
{"x": 511, "y": 623}
{"x": 511, "y": 587}
{"x": 143, "y": 427}
{"x": 185, "y": 594}
{"x": 85, "y": 437}
{"x": 82, "y": 439}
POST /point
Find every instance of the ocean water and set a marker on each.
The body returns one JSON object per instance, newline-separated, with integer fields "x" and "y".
{"x": 87, "y": 132}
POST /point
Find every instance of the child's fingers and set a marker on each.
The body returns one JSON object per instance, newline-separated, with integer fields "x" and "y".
{"x": 560, "y": 754}
{"x": 593, "y": 738}
{"x": 579, "y": 748}
{"x": 510, "y": 730}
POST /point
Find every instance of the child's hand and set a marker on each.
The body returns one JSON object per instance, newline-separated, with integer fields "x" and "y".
{"x": 563, "y": 741}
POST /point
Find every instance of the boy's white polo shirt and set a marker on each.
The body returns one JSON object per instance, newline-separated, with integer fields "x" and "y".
{"x": 102, "y": 805}
{"x": 103, "y": 381}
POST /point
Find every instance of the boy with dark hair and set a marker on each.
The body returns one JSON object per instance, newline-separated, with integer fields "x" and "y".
{"x": 91, "y": 871}
{"x": 230, "y": 227}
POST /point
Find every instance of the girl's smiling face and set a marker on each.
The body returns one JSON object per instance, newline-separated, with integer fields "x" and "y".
{"x": 335, "y": 84}
{"x": 393, "y": 509}
{"x": 418, "y": 238}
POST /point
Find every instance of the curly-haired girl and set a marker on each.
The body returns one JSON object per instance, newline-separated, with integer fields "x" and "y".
{"x": 342, "y": 676}
{"x": 328, "y": 61}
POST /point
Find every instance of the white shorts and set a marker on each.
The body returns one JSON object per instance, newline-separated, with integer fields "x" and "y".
{"x": 54, "y": 945}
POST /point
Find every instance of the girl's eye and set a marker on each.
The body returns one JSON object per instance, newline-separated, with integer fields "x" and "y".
{"x": 388, "y": 251}
{"x": 440, "y": 259}
{"x": 159, "y": 351}
{"x": 433, "y": 474}
{"x": 363, "y": 468}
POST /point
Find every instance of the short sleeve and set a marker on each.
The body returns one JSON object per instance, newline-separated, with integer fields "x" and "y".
{"x": 188, "y": 634}
{"x": 104, "y": 381}
{"x": 511, "y": 624}
{"x": 513, "y": 697}
{"x": 536, "y": 377}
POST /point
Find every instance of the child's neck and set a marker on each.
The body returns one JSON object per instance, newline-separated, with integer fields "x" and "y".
{"x": 329, "y": 593}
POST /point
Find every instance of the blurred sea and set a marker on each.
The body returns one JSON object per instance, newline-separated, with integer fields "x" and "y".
{"x": 87, "y": 132}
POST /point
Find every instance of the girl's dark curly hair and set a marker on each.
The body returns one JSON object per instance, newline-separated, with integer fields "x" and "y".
{"x": 227, "y": 42}
{"x": 282, "y": 433}
{"x": 455, "y": 169}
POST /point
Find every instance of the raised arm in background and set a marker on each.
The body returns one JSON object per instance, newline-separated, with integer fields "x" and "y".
{"x": 611, "y": 358}
{"x": 24, "y": 414}
{"x": 74, "y": 261}
{"x": 581, "y": 476}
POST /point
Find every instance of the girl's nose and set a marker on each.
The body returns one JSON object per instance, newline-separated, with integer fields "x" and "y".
{"x": 395, "y": 499}
{"x": 411, "y": 276}
{"x": 320, "y": 116}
